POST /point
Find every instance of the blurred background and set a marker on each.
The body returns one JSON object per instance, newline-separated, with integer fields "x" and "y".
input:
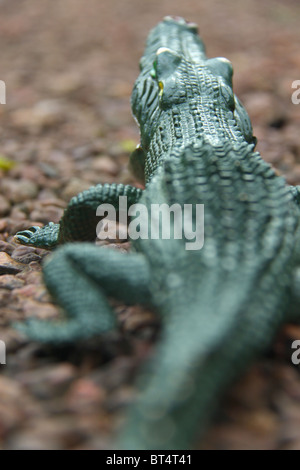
{"x": 69, "y": 67}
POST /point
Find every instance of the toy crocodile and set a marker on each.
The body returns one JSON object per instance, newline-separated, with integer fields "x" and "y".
{"x": 221, "y": 305}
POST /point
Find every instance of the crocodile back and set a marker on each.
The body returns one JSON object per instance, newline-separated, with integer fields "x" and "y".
{"x": 220, "y": 305}
{"x": 250, "y": 218}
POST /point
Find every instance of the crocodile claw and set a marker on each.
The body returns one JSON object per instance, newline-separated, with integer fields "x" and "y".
{"x": 42, "y": 237}
{"x": 25, "y": 236}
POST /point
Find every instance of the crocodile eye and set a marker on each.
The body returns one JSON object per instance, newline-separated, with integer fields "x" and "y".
{"x": 161, "y": 88}
{"x": 153, "y": 72}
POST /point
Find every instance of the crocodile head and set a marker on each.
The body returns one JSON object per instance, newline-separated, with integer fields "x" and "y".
{"x": 173, "y": 80}
{"x": 175, "y": 72}
{"x": 172, "y": 34}
{"x": 180, "y": 80}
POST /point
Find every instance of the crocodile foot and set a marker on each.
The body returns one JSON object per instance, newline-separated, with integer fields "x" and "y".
{"x": 41, "y": 237}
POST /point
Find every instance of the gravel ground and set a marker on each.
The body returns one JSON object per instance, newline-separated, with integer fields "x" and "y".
{"x": 69, "y": 68}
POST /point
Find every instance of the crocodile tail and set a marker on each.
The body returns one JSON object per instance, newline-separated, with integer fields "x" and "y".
{"x": 181, "y": 387}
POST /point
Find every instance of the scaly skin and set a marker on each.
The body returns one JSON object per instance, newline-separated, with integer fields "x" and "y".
{"x": 219, "y": 306}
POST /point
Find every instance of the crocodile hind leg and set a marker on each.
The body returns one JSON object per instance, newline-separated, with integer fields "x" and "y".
{"x": 79, "y": 220}
{"x": 80, "y": 277}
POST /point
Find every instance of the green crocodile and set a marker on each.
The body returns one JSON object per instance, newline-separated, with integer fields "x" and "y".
{"x": 219, "y": 306}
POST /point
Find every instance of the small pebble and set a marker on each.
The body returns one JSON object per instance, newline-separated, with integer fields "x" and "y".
{"x": 10, "y": 282}
{"x": 85, "y": 394}
{"x": 8, "y": 265}
{"x": 4, "y": 206}
{"x": 48, "y": 381}
{"x": 47, "y": 214}
{"x": 3, "y": 225}
{"x": 82, "y": 152}
{"x": 7, "y": 247}
{"x": 44, "y": 114}
{"x": 105, "y": 164}
{"x": 74, "y": 187}
{"x": 19, "y": 190}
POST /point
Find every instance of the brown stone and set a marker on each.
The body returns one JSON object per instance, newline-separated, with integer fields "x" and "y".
{"x": 8, "y": 265}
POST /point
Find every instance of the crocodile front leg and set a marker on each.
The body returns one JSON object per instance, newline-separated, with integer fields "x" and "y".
{"x": 79, "y": 220}
{"x": 80, "y": 277}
